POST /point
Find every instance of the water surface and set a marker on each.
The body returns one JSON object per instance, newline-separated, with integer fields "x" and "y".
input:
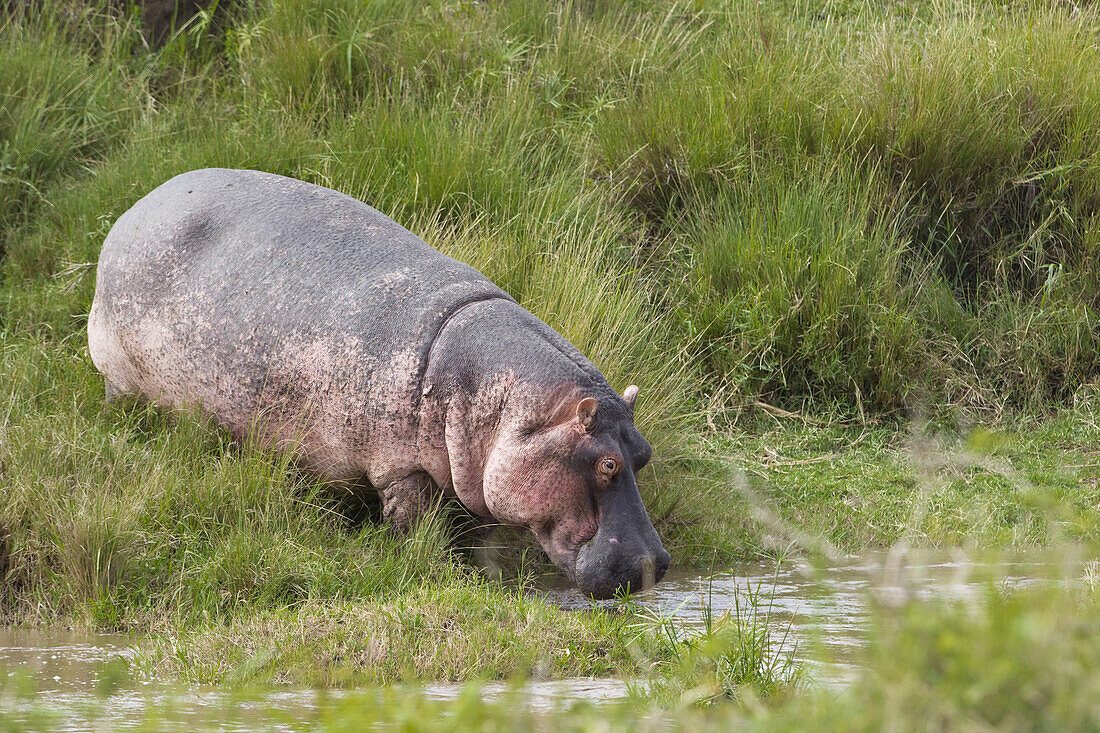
{"x": 822, "y": 610}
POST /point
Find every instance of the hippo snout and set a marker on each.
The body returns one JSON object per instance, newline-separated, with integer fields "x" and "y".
{"x": 601, "y": 572}
{"x": 625, "y": 552}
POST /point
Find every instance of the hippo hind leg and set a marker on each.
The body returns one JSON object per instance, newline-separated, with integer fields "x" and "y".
{"x": 405, "y": 500}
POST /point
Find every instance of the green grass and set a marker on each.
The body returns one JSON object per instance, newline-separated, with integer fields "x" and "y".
{"x": 1021, "y": 660}
{"x": 438, "y": 631}
{"x": 1021, "y": 486}
{"x": 879, "y": 223}
{"x": 843, "y": 211}
{"x": 64, "y": 104}
{"x": 740, "y": 656}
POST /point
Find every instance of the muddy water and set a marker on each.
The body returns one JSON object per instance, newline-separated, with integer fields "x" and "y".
{"x": 818, "y": 613}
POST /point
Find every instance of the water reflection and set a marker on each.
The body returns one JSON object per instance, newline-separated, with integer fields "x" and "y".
{"x": 59, "y": 661}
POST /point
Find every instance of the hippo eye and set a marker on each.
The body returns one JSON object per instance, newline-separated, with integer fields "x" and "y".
{"x": 609, "y": 466}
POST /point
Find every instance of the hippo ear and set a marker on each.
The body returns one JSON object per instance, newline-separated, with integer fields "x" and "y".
{"x": 586, "y": 412}
{"x": 630, "y": 394}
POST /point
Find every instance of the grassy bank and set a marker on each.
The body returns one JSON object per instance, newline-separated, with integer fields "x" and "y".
{"x": 830, "y": 243}
{"x": 1019, "y": 660}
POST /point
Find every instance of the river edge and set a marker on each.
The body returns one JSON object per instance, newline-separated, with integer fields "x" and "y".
{"x": 821, "y": 614}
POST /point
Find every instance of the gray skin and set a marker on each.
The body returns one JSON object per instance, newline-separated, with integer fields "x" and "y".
{"x": 304, "y": 319}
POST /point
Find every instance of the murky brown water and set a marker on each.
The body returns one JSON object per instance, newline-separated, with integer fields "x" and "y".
{"x": 65, "y": 682}
{"x": 819, "y": 612}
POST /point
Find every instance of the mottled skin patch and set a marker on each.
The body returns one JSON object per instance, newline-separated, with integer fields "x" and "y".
{"x": 305, "y": 319}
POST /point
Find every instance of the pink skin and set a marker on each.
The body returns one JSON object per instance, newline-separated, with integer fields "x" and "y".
{"x": 529, "y": 475}
{"x": 506, "y": 452}
{"x": 531, "y": 482}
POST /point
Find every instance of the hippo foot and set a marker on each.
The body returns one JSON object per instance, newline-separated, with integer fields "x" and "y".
{"x": 112, "y": 393}
{"x": 405, "y": 500}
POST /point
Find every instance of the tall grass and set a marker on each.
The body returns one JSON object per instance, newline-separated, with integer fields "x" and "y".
{"x": 799, "y": 293}
{"x": 67, "y": 95}
{"x": 740, "y": 656}
{"x": 960, "y": 163}
{"x": 952, "y": 173}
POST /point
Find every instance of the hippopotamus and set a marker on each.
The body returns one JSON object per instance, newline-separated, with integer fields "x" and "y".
{"x": 302, "y": 319}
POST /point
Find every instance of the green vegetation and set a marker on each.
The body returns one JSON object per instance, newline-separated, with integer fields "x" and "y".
{"x": 736, "y": 656}
{"x": 850, "y": 253}
{"x": 441, "y": 632}
{"x": 1016, "y": 661}
{"x": 850, "y": 489}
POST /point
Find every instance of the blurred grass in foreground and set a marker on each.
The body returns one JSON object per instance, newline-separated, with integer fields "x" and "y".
{"x": 1019, "y": 660}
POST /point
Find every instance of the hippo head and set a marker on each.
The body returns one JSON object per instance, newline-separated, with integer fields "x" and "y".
{"x": 567, "y": 470}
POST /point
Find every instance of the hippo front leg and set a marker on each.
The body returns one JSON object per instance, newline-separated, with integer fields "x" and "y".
{"x": 403, "y": 501}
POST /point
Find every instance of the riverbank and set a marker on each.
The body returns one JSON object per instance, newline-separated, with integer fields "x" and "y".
{"x": 878, "y": 640}
{"x": 130, "y": 519}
